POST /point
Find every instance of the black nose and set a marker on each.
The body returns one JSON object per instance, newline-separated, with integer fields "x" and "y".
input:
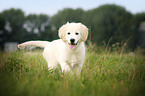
{"x": 72, "y": 40}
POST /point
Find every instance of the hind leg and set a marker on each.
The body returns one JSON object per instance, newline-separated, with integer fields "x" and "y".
{"x": 52, "y": 64}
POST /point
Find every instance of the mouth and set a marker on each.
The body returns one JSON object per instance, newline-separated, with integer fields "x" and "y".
{"x": 72, "y": 45}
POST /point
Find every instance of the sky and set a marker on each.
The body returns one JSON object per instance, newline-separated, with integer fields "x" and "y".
{"x": 51, "y": 7}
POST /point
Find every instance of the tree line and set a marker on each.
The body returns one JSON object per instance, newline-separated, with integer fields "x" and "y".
{"x": 107, "y": 22}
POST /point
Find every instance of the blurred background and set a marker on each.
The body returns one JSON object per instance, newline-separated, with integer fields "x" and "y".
{"x": 113, "y": 21}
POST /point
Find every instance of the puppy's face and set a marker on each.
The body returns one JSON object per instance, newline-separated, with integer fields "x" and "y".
{"x": 73, "y": 34}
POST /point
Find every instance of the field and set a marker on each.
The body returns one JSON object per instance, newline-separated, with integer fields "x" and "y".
{"x": 104, "y": 73}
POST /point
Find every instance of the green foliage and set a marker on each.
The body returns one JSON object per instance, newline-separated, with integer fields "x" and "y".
{"x": 38, "y": 27}
{"x": 67, "y": 15}
{"x": 105, "y": 22}
{"x": 109, "y": 21}
{"x": 103, "y": 74}
{"x": 137, "y": 20}
{"x": 14, "y": 30}
{"x": 13, "y": 64}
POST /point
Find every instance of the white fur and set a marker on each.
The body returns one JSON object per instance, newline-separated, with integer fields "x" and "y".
{"x": 60, "y": 52}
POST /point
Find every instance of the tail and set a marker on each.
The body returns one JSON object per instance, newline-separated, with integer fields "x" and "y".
{"x": 42, "y": 44}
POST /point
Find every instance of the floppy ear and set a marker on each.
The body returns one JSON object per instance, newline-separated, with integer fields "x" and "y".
{"x": 62, "y": 32}
{"x": 84, "y": 32}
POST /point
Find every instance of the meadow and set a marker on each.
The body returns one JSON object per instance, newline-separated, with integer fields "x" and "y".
{"x": 105, "y": 72}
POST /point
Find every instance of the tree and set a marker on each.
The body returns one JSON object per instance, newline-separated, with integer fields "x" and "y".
{"x": 104, "y": 22}
{"x": 67, "y": 15}
{"x": 13, "y": 24}
{"x": 109, "y": 21}
{"x": 137, "y": 20}
{"x": 2, "y": 33}
{"x": 38, "y": 27}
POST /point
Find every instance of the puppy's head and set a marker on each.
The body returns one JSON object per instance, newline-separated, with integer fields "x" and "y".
{"x": 73, "y": 33}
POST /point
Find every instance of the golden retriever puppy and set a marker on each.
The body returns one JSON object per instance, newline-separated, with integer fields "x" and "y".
{"x": 68, "y": 51}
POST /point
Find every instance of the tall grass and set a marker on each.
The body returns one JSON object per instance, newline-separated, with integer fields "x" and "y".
{"x": 105, "y": 73}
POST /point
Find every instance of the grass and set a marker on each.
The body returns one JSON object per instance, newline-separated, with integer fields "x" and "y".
{"x": 103, "y": 74}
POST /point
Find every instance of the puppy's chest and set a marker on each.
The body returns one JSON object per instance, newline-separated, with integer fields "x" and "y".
{"x": 73, "y": 59}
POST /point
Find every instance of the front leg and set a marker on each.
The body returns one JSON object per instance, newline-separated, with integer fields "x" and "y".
{"x": 77, "y": 69}
{"x": 65, "y": 67}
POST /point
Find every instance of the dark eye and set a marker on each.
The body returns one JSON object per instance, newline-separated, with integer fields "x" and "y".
{"x": 77, "y": 33}
{"x": 68, "y": 33}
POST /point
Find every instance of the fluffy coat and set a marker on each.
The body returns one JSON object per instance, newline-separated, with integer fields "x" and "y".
{"x": 68, "y": 51}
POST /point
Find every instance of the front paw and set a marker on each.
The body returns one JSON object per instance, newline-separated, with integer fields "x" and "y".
{"x": 66, "y": 68}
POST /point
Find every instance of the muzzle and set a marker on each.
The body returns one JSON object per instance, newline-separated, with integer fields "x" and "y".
{"x": 72, "y": 43}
